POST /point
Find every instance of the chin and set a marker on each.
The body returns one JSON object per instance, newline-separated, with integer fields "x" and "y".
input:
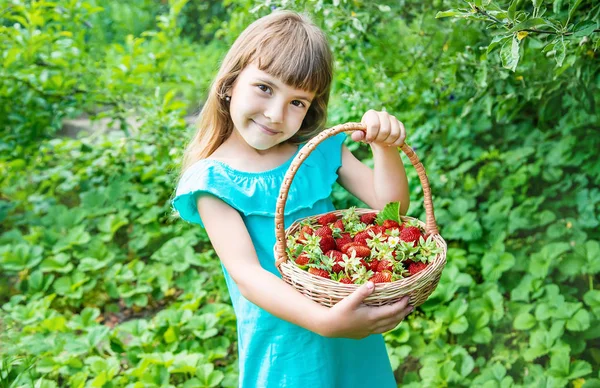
{"x": 259, "y": 144}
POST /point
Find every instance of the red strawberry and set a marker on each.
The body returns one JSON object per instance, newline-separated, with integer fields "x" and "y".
{"x": 327, "y": 243}
{"x": 387, "y": 224}
{"x": 319, "y": 272}
{"x": 343, "y": 240}
{"x": 345, "y": 247}
{"x": 373, "y": 265}
{"x": 302, "y": 259}
{"x": 368, "y": 218}
{"x": 377, "y": 229}
{"x": 410, "y": 234}
{"x": 327, "y": 219}
{"x": 305, "y": 231}
{"x": 337, "y": 256}
{"x": 346, "y": 280}
{"x": 339, "y": 224}
{"x": 384, "y": 265}
{"x": 415, "y": 268}
{"x": 324, "y": 231}
{"x": 361, "y": 238}
{"x": 382, "y": 277}
{"x": 361, "y": 250}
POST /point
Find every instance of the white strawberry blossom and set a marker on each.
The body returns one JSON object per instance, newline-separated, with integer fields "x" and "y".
{"x": 393, "y": 241}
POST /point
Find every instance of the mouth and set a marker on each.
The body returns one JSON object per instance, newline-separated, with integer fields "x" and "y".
{"x": 266, "y": 130}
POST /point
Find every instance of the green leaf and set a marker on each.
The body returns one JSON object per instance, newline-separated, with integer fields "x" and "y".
{"x": 584, "y": 28}
{"x": 580, "y": 321}
{"x": 524, "y": 321}
{"x": 446, "y": 14}
{"x": 208, "y": 376}
{"x": 170, "y": 335}
{"x": 592, "y": 299}
{"x": 391, "y": 211}
{"x": 537, "y": 3}
{"x": 560, "y": 51}
{"x": 579, "y": 369}
{"x": 512, "y": 8}
{"x": 527, "y": 24}
{"x": 510, "y": 54}
{"x": 459, "y": 325}
{"x": 573, "y": 8}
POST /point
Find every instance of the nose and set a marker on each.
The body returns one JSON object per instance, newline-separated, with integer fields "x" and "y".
{"x": 275, "y": 112}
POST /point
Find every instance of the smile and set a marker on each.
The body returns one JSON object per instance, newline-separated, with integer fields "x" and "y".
{"x": 266, "y": 130}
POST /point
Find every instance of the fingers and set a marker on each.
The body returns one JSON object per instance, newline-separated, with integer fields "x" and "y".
{"x": 396, "y": 319}
{"x": 371, "y": 121}
{"x": 354, "y": 300}
{"x": 392, "y": 322}
{"x": 402, "y": 134}
{"x": 358, "y": 135}
{"x": 390, "y": 312}
{"x": 381, "y": 128}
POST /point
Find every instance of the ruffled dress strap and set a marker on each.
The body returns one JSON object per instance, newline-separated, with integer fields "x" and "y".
{"x": 255, "y": 193}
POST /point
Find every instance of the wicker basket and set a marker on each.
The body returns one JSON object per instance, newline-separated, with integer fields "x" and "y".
{"x": 328, "y": 292}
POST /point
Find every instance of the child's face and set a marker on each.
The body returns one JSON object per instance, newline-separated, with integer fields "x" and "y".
{"x": 264, "y": 110}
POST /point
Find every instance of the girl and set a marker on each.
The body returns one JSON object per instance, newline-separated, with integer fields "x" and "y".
{"x": 269, "y": 97}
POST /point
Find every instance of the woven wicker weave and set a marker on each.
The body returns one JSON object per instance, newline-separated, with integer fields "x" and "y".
{"x": 328, "y": 292}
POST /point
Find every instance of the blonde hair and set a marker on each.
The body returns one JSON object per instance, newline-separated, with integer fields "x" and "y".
{"x": 288, "y": 46}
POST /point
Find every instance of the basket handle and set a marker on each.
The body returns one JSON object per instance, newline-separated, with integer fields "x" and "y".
{"x": 281, "y": 244}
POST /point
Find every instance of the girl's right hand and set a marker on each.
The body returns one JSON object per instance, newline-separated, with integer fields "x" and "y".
{"x": 349, "y": 318}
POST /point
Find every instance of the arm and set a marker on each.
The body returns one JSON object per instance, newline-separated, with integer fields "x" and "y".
{"x": 387, "y": 182}
{"x": 233, "y": 245}
{"x": 349, "y": 318}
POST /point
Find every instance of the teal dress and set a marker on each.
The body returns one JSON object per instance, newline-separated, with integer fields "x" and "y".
{"x": 274, "y": 353}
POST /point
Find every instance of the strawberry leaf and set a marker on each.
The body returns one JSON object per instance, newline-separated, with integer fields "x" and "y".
{"x": 391, "y": 211}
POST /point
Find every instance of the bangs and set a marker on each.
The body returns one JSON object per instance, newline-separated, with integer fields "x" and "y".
{"x": 296, "y": 57}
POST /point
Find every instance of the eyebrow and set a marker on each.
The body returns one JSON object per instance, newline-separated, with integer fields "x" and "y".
{"x": 275, "y": 86}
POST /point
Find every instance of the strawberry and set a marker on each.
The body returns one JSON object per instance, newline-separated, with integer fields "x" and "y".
{"x": 382, "y": 277}
{"x": 343, "y": 240}
{"x": 368, "y": 218}
{"x": 324, "y": 231}
{"x": 377, "y": 229}
{"x": 384, "y": 265}
{"x": 373, "y": 265}
{"x": 346, "y": 280}
{"x": 388, "y": 224}
{"x": 327, "y": 243}
{"x": 319, "y": 272}
{"x": 339, "y": 224}
{"x": 345, "y": 247}
{"x": 416, "y": 267}
{"x": 337, "y": 256}
{"x": 362, "y": 237}
{"x": 327, "y": 219}
{"x": 361, "y": 250}
{"x": 410, "y": 234}
{"x": 302, "y": 259}
{"x": 305, "y": 231}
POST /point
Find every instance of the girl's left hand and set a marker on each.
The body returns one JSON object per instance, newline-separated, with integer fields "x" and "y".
{"x": 382, "y": 129}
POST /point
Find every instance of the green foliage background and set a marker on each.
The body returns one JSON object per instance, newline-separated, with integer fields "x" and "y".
{"x": 102, "y": 286}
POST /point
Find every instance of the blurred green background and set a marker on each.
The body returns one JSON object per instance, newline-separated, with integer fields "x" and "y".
{"x": 102, "y": 286}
